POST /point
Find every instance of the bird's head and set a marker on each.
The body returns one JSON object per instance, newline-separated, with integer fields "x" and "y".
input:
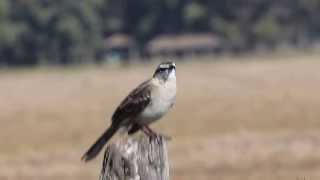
{"x": 165, "y": 71}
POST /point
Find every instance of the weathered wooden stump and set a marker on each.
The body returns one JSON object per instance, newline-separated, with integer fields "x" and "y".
{"x": 136, "y": 158}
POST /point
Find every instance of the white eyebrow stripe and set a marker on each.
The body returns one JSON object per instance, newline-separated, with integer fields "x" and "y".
{"x": 164, "y": 66}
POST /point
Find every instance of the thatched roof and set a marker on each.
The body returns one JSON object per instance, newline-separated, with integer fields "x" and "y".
{"x": 182, "y": 42}
{"x": 118, "y": 41}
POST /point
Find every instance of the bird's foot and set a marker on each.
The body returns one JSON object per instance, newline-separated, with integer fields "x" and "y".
{"x": 154, "y": 135}
{"x": 149, "y": 132}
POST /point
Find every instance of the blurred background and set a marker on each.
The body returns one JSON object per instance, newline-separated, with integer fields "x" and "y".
{"x": 248, "y": 78}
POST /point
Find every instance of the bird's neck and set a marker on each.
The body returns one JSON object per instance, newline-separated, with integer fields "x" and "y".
{"x": 170, "y": 80}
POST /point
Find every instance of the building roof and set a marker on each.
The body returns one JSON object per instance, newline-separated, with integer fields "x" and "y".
{"x": 182, "y": 42}
{"x": 118, "y": 41}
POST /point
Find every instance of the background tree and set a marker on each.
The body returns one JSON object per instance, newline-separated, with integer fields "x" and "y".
{"x": 69, "y": 32}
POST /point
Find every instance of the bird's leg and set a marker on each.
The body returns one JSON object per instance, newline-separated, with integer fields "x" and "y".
{"x": 155, "y": 134}
{"x": 149, "y": 132}
{"x": 152, "y": 134}
{"x": 146, "y": 131}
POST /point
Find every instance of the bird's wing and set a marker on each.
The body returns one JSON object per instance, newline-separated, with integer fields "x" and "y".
{"x": 133, "y": 104}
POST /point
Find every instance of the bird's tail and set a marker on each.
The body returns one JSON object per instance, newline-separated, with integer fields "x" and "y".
{"x": 98, "y": 145}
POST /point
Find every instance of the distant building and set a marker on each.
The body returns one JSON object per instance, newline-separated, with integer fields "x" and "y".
{"x": 183, "y": 45}
{"x": 118, "y": 47}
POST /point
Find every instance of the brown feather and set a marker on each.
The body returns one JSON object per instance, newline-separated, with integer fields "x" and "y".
{"x": 133, "y": 104}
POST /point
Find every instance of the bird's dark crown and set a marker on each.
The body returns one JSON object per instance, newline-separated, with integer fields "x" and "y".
{"x": 165, "y": 68}
{"x": 167, "y": 65}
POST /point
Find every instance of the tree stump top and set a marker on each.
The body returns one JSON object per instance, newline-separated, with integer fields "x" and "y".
{"x": 136, "y": 158}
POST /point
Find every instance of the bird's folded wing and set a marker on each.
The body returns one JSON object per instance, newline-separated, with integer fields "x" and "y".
{"x": 133, "y": 104}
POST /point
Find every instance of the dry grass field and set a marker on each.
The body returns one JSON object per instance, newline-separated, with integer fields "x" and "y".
{"x": 243, "y": 118}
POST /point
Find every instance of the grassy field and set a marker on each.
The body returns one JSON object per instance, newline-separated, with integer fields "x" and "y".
{"x": 242, "y": 118}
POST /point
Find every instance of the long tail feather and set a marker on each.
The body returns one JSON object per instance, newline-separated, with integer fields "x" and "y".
{"x": 98, "y": 145}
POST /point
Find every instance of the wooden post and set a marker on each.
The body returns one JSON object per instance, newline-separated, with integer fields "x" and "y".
{"x": 136, "y": 158}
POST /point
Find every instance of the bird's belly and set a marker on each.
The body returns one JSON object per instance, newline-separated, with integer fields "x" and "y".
{"x": 155, "y": 111}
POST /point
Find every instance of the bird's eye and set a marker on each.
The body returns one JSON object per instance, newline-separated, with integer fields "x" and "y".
{"x": 159, "y": 70}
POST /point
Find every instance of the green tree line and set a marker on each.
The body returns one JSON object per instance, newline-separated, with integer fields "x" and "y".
{"x": 72, "y": 31}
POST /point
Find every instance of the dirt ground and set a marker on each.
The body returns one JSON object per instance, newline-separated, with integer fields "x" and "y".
{"x": 236, "y": 118}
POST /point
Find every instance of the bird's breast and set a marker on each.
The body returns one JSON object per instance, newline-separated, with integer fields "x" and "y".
{"x": 162, "y": 99}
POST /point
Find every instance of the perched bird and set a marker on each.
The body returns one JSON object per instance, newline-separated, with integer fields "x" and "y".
{"x": 144, "y": 105}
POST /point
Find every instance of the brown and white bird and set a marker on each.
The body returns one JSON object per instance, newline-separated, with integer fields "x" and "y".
{"x": 145, "y": 104}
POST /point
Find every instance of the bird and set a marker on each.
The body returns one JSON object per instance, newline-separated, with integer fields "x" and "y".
{"x": 145, "y": 104}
